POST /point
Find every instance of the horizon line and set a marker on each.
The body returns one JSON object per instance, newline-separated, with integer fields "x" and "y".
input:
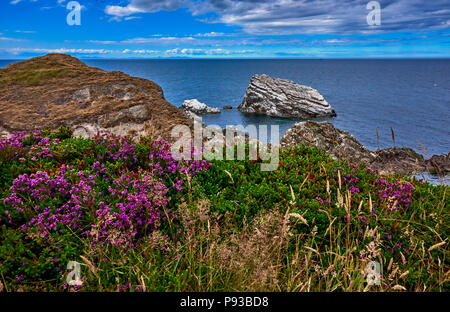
{"x": 244, "y": 58}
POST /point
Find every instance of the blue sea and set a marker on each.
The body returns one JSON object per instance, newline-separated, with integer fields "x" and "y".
{"x": 411, "y": 96}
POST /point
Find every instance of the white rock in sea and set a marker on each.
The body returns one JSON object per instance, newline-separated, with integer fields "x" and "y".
{"x": 192, "y": 116}
{"x": 197, "y": 107}
{"x": 283, "y": 98}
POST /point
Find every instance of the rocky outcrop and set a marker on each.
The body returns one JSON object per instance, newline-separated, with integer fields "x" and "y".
{"x": 59, "y": 90}
{"x": 197, "y": 107}
{"x": 440, "y": 163}
{"x": 283, "y": 98}
{"x": 336, "y": 142}
{"x": 396, "y": 159}
{"x": 340, "y": 144}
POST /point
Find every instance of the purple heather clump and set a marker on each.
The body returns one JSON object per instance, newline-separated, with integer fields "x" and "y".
{"x": 116, "y": 148}
{"x": 397, "y": 194}
{"x": 29, "y": 190}
{"x": 134, "y": 205}
{"x": 15, "y": 148}
{"x": 390, "y": 200}
{"x": 12, "y": 147}
{"x": 350, "y": 180}
{"x": 396, "y": 197}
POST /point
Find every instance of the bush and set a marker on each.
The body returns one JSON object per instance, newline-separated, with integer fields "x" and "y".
{"x": 83, "y": 192}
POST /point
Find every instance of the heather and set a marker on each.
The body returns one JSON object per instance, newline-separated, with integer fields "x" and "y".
{"x": 138, "y": 220}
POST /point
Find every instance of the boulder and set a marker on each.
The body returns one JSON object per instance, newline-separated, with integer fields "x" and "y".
{"x": 341, "y": 145}
{"x": 439, "y": 163}
{"x": 197, "y": 107}
{"x": 338, "y": 143}
{"x": 284, "y": 98}
{"x": 396, "y": 159}
{"x": 59, "y": 90}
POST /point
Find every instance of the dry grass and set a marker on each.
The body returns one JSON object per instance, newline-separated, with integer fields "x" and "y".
{"x": 266, "y": 255}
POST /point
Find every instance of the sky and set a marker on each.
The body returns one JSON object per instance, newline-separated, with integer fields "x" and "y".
{"x": 225, "y": 28}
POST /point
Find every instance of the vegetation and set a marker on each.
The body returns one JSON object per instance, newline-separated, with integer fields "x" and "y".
{"x": 138, "y": 220}
{"x": 31, "y": 77}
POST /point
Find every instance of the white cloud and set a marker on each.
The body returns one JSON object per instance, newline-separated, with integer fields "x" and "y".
{"x": 205, "y": 52}
{"x": 152, "y": 40}
{"x": 128, "y": 51}
{"x": 128, "y": 18}
{"x": 26, "y": 31}
{"x": 60, "y": 50}
{"x": 142, "y": 6}
{"x": 10, "y": 39}
{"x": 119, "y": 11}
{"x": 284, "y": 17}
{"x": 212, "y": 34}
{"x": 335, "y": 41}
{"x": 144, "y": 51}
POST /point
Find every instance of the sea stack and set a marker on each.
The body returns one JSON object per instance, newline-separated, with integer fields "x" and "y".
{"x": 284, "y": 98}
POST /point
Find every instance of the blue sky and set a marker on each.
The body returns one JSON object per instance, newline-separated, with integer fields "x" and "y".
{"x": 225, "y": 29}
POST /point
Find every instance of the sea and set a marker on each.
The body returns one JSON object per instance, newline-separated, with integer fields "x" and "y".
{"x": 411, "y": 96}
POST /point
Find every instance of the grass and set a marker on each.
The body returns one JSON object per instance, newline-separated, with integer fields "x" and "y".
{"x": 31, "y": 77}
{"x": 312, "y": 225}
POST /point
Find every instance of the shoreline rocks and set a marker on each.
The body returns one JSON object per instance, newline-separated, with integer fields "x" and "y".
{"x": 340, "y": 144}
{"x": 284, "y": 98}
{"x": 197, "y": 107}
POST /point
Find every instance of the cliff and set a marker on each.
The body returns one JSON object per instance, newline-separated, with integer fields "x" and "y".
{"x": 59, "y": 90}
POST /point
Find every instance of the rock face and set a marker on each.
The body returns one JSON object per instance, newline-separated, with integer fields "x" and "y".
{"x": 440, "y": 162}
{"x": 197, "y": 107}
{"x": 284, "y": 98}
{"x": 397, "y": 159}
{"x": 59, "y": 90}
{"x": 340, "y": 144}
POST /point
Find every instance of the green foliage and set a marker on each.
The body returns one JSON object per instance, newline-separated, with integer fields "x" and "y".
{"x": 328, "y": 212}
{"x": 31, "y": 77}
